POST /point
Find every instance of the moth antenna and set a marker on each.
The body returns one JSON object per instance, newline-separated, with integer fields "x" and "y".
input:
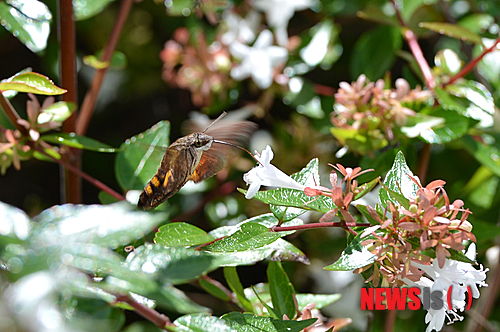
{"x": 238, "y": 147}
{"x": 223, "y": 114}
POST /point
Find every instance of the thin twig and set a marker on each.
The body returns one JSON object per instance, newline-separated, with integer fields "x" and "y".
{"x": 411, "y": 39}
{"x": 11, "y": 113}
{"x": 90, "y": 99}
{"x": 84, "y": 175}
{"x": 316, "y": 225}
{"x": 465, "y": 70}
{"x": 160, "y": 320}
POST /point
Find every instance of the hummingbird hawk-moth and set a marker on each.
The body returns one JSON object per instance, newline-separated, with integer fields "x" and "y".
{"x": 195, "y": 157}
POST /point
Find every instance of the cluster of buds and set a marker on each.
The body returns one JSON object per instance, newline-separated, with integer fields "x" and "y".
{"x": 189, "y": 63}
{"x": 429, "y": 224}
{"x": 366, "y": 114}
{"x": 341, "y": 198}
{"x": 16, "y": 144}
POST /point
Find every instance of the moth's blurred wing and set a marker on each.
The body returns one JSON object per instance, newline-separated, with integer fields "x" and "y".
{"x": 217, "y": 157}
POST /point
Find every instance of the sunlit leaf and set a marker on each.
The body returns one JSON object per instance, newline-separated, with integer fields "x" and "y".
{"x": 172, "y": 265}
{"x": 354, "y": 256}
{"x": 477, "y": 22}
{"x": 84, "y": 9}
{"x": 31, "y": 82}
{"x": 140, "y": 157}
{"x": 181, "y": 234}
{"x": 453, "y": 31}
{"x": 118, "y": 61}
{"x": 448, "y": 61}
{"x": 15, "y": 225}
{"x": 321, "y": 300}
{"x": 76, "y": 141}
{"x": 398, "y": 180}
{"x": 202, "y": 322}
{"x": 57, "y": 112}
{"x": 28, "y": 20}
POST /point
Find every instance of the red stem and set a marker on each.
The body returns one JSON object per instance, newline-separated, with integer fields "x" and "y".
{"x": 160, "y": 320}
{"x": 84, "y": 175}
{"x": 465, "y": 70}
{"x": 72, "y": 183}
{"x": 411, "y": 39}
{"x": 316, "y": 225}
{"x": 90, "y": 99}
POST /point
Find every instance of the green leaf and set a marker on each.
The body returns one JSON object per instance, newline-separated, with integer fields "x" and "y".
{"x": 28, "y": 20}
{"x": 453, "y": 31}
{"x": 112, "y": 225}
{"x": 477, "y": 22}
{"x": 84, "y": 9}
{"x": 281, "y": 290}
{"x": 296, "y": 198}
{"x": 106, "y": 198}
{"x": 213, "y": 290}
{"x": 31, "y": 82}
{"x": 398, "y": 180}
{"x": 79, "y": 142}
{"x": 321, "y": 300}
{"x": 180, "y": 234}
{"x": 486, "y": 154}
{"x": 234, "y": 283}
{"x": 448, "y": 61}
{"x": 140, "y": 157}
{"x": 245, "y": 322}
{"x": 365, "y": 188}
{"x": 374, "y": 52}
{"x": 250, "y": 235}
{"x": 479, "y": 103}
{"x": 201, "y": 323}
{"x": 118, "y": 61}
{"x": 364, "y": 211}
{"x": 174, "y": 265}
{"x": 354, "y": 256}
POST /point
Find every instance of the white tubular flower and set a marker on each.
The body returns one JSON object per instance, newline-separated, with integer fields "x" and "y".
{"x": 279, "y": 12}
{"x": 456, "y": 274}
{"x": 267, "y": 174}
{"x": 241, "y": 29}
{"x": 259, "y": 60}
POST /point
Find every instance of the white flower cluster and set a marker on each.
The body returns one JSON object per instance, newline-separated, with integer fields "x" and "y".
{"x": 457, "y": 274}
{"x": 260, "y": 60}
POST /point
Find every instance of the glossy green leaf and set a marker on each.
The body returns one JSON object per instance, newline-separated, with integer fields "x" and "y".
{"x": 180, "y": 234}
{"x": 29, "y": 21}
{"x": 250, "y": 235}
{"x": 296, "y": 198}
{"x": 31, "y": 82}
{"x": 453, "y": 31}
{"x": 398, "y": 180}
{"x": 106, "y": 225}
{"x": 79, "y": 142}
{"x": 140, "y": 156}
{"x": 486, "y": 154}
{"x": 84, "y": 9}
{"x": 281, "y": 290}
{"x": 213, "y": 290}
{"x": 245, "y": 322}
{"x": 480, "y": 106}
{"x": 354, "y": 256}
{"x": 365, "y": 188}
{"x": 201, "y": 323}
{"x": 234, "y": 283}
{"x": 374, "y": 52}
{"x": 364, "y": 211}
{"x": 57, "y": 112}
{"x": 174, "y": 265}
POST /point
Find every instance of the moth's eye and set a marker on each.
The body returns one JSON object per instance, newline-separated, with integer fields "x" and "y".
{"x": 198, "y": 143}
